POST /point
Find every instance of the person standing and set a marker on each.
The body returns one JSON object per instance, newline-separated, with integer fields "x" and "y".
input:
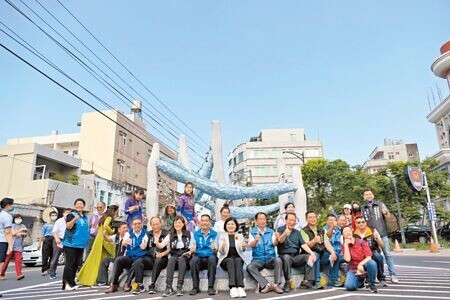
{"x": 231, "y": 256}
{"x": 133, "y": 207}
{"x": 359, "y": 257}
{"x": 224, "y": 214}
{"x": 58, "y": 234}
{"x": 6, "y": 238}
{"x": 170, "y": 212}
{"x": 75, "y": 240}
{"x": 263, "y": 241}
{"x": 93, "y": 224}
{"x": 46, "y": 242}
{"x": 204, "y": 247}
{"x": 19, "y": 231}
{"x": 294, "y": 252}
{"x": 100, "y": 249}
{"x": 375, "y": 213}
{"x": 186, "y": 207}
{"x": 179, "y": 241}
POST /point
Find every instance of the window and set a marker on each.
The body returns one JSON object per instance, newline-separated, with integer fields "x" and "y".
{"x": 102, "y": 195}
{"x": 109, "y": 198}
{"x": 293, "y": 137}
{"x": 411, "y": 155}
{"x": 75, "y": 153}
{"x": 397, "y": 153}
{"x": 66, "y": 152}
{"x": 239, "y": 158}
{"x": 390, "y": 155}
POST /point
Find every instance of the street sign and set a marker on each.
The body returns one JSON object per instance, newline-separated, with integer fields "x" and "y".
{"x": 431, "y": 211}
{"x": 414, "y": 178}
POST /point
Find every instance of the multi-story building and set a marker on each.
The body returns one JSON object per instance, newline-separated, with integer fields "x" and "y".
{"x": 37, "y": 177}
{"x": 391, "y": 151}
{"x": 440, "y": 115}
{"x": 255, "y": 162}
{"x": 113, "y": 155}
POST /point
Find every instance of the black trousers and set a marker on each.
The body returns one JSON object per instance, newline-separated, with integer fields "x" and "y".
{"x": 72, "y": 256}
{"x": 300, "y": 260}
{"x": 198, "y": 263}
{"x": 180, "y": 262}
{"x": 120, "y": 263}
{"x": 234, "y": 267}
{"x": 146, "y": 263}
{"x": 47, "y": 252}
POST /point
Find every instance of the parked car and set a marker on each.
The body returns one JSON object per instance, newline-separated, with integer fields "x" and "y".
{"x": 413, "y": 233}
{"x": 31, "y": 256}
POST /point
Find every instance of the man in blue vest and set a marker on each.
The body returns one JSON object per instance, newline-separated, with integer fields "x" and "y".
{"x": 263, "y": 241}
{"x": 375, "y": 213}
{"x": 136, "y": 241}
{"x": 204, "y": 247}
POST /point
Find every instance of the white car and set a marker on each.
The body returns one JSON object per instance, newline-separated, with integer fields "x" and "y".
{"x": 31, "y": 256}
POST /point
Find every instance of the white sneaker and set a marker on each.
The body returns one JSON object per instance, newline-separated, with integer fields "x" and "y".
{"x": 71, "y": 288}
{"x": 234, "y": 293}
{"x": 394, "y": 279}
{"x": 241, "y": 292}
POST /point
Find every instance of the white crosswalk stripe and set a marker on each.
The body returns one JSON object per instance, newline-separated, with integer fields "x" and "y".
{"x": 415, "y": 283}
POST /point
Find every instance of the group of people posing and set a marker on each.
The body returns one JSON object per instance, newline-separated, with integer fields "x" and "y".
{"x": 352, "y": 242}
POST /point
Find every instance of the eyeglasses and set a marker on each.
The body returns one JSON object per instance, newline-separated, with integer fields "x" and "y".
{"x": 361, "y": 222}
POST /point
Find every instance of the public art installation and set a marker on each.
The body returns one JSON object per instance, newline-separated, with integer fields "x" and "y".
{"x": 213, "y": 193}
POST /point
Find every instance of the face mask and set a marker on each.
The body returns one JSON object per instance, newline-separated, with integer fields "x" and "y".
{"x": 11, "y": 209}
{"x": 53, "y": 218}
{"x": 18, "y": 221}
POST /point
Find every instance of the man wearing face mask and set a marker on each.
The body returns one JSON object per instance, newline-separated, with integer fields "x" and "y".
{"x": 375, "y": 213}
{"x": 59, "y": 228}
{"x": 46, "y": 242}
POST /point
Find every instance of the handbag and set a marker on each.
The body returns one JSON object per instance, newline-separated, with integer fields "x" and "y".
{"x": 27, "y": 241}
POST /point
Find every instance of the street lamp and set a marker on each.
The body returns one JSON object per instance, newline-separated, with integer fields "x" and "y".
{"x": 399, "y": 212}
{"x": 299, "y": 155}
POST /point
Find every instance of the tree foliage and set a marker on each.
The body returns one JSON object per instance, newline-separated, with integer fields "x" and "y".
{"x": 334, "y": 183}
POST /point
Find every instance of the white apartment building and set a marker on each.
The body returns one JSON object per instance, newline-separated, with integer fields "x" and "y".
{"x": 390, "y": 151}
{"x": 440, "y": 115}
{"x": 254, "y": 162}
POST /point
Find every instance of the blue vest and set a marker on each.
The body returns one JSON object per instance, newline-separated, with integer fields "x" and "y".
{"x": 203, "y": 244}
{"x": 78, "y": 236}
{"x": 134, "y": 250}
{"x": 264, "y": 250}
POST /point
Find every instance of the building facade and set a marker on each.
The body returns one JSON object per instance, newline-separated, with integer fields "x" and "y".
{"x": 390, "y": 151}
{"x": 255, "y": 162}
{"x": 111, "y": 156}
{"x": 440, "y": 115}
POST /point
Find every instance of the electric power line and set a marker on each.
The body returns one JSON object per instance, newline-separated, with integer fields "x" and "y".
{"x": 84, "y": 65}
{"x": 131, "y": 73}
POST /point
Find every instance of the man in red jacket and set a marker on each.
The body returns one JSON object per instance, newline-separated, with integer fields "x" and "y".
{"x": 359, "y": 257}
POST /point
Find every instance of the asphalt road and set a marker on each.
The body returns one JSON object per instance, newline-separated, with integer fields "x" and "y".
{"x": 421, "y": 277}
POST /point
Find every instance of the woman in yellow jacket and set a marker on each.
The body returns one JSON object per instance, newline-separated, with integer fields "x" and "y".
{"x": 101, "y": 249}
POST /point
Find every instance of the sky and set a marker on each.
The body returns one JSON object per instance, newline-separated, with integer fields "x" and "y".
{"x": 351, "y": 73}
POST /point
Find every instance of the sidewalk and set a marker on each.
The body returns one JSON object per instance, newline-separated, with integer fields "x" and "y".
{"x": 413, "y": 252}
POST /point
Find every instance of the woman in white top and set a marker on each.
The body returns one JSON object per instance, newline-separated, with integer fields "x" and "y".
{"x": 280, "y": 221}
{"x": 231, "y": 256}
{"x": 224, "y": 214}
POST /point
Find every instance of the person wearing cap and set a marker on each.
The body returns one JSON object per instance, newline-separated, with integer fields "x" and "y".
{"x": 289, "y": 207}
{"x": 348, "y": 213}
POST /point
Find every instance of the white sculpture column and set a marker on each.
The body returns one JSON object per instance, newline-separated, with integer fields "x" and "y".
{"x": 152, "y": 199}
{"x": 219, "y": 174}
{"x": 184, "y": 155}
{"x": 300, "y": 194}
{"x": 282, "y": 177}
